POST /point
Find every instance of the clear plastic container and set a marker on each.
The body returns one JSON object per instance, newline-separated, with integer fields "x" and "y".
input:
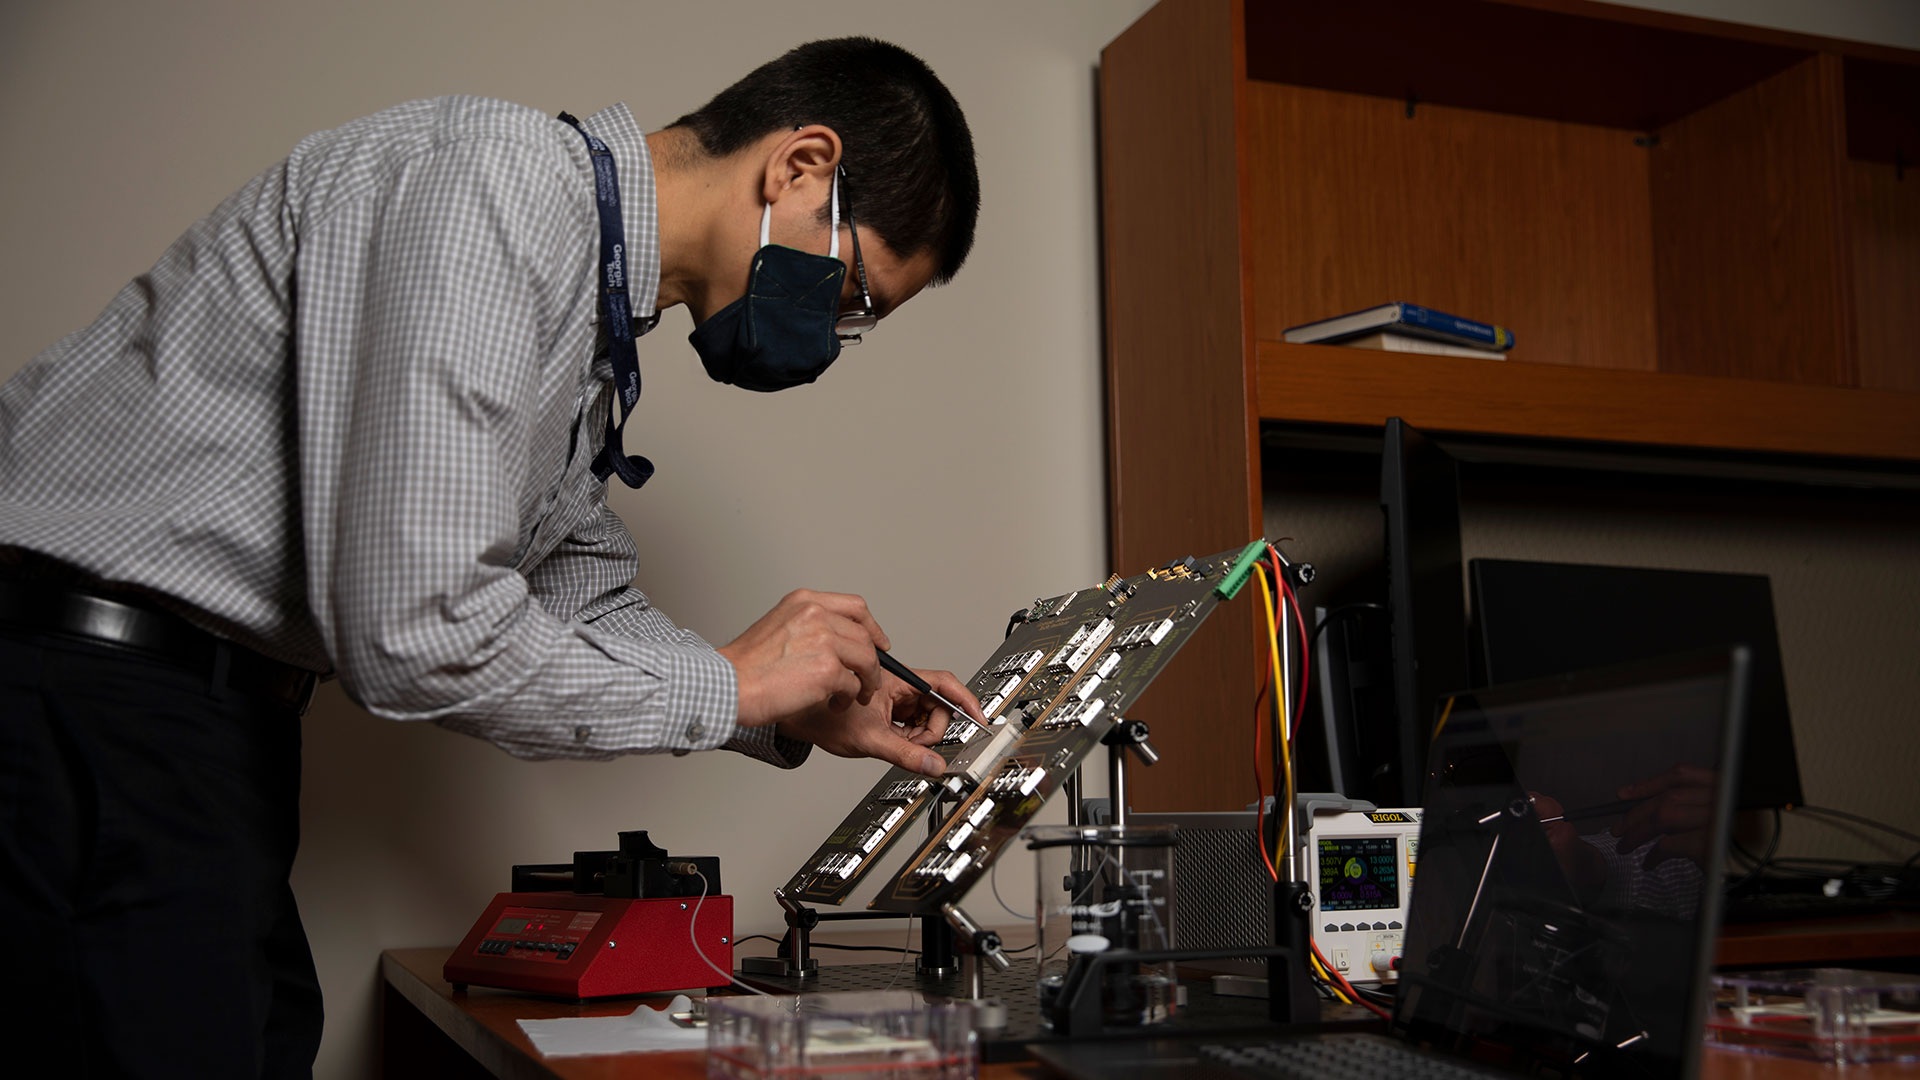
{"x": 1820, "y": 1014}
{"x": 1102, "y": 887}
{"x": 872, "y": 1035}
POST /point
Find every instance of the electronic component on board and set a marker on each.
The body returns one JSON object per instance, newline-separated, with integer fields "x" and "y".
{"x": 1134, "y": 637}
{"x": 1020, "y": 663}
{"x": 1096, "y": 636}
{"x": 946, "y": 865}
{"x": 1079, "y": 716}
{"x": 1047, "y": 609}
{"x": 958, "y": 733}
{"x": 842, "y": 865}
{"x": 977, "y": 761}
{"x": 1019, "y": 780}
{"x": 903, "y": 791}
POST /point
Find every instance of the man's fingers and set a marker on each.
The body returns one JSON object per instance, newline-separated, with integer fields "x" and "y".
{"x": 904, "y": 753}
{"x": 1678, "y": 776}
{"x": 1637, "y": 826}
{"x": 1545, "y": 806}
{"x": 847, "y": 606}
{"x": 856, "y": 655}
{"x": 953, "y": 690}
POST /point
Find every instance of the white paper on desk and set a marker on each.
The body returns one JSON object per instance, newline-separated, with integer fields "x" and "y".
{"x": 646, "y": 1028}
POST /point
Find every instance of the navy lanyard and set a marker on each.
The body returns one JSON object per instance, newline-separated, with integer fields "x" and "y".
{"x": 616, "y": 315}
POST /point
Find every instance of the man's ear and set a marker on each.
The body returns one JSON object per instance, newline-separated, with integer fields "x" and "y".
{"x": 800, "y": 159}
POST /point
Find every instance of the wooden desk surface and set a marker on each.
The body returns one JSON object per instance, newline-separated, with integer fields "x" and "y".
{"x": 1828, "y": 942}
{"x": 482, "y": 1023}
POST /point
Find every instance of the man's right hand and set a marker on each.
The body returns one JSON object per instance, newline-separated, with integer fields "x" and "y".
{"x": 812, "y": 649}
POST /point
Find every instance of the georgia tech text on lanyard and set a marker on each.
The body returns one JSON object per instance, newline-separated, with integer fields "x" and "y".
{"x": 616, "y": 314}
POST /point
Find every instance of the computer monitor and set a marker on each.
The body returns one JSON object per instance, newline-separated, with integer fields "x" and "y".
{"x": 1426, "y": 604}
{"x": 1538, "y": 619}
{"x": 1570, "y": 852}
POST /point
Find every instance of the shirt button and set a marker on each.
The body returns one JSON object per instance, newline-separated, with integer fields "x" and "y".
{"x": 582, "y": 733}
{"x": 696, "y": 729}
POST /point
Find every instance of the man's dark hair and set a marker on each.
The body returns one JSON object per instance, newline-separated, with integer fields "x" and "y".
{"x": 904, "y": 142}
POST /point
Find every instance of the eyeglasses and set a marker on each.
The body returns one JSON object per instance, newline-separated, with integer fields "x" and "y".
{"x": 851, "y": 324}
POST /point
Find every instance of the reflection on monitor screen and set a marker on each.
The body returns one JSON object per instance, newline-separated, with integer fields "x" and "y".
{"x": 1566, "y": 856}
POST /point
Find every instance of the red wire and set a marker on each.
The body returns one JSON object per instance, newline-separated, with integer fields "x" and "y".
{"x": 1259, "y": 784}
{"x": 1300, "y": 618}
{"x": 1345, "y": 985}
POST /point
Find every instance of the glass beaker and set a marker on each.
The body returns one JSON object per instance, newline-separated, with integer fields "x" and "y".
{"x": 1101, "y": 888}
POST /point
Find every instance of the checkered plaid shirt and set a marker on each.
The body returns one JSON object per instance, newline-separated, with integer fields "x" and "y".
{"x": 347, "y": 421}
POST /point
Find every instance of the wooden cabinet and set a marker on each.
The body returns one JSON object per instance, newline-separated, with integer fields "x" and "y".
{"x": 1705, "y": 236}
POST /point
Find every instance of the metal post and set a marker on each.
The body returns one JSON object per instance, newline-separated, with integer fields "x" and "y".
{"x": 1075, "y": 817}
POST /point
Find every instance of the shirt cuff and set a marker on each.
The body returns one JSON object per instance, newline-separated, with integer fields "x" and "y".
{"x": 766, "y": 744}
{"x": 700, "y": 702}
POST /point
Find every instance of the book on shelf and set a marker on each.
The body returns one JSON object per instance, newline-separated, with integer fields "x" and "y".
{"x": 1410, "y": 320}
{"x": 1391, "y": 342}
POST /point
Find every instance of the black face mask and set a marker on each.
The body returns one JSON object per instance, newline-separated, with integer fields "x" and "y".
{"x": 781, "y": 333}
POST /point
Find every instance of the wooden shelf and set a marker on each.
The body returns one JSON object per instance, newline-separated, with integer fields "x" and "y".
{"x": 1335, "y": 385}
{"x": 1698, "y": 228}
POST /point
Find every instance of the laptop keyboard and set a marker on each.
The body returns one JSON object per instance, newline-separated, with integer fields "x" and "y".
{"x": 1352, "y": 1058}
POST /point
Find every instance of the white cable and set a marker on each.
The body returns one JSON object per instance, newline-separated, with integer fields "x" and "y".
{"x": 906, "y": 950}
{"x": 695, "y": 942}
{"x": 993, "y": 879}
{"x": 1073, "y": 900}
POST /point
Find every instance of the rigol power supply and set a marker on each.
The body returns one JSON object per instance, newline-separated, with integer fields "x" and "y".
{"x": 1359, "y": 862}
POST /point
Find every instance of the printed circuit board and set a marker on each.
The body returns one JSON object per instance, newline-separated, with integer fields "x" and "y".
{"x": 1050, "y": 692}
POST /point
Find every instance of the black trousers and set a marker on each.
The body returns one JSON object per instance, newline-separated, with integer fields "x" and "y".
{"x": 147, "y": 828}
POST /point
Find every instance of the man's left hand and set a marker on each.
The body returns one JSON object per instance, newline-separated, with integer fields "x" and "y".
{"x": 896, "y": 726}
{"x": 1677, "y": 809}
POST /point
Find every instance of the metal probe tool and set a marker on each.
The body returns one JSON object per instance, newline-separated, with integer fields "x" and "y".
{"x": 906, "y": 675}
{"x": 1601, "y": 810}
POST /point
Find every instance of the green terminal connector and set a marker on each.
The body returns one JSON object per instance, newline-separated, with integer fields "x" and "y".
{"x": 1229, "y": 586}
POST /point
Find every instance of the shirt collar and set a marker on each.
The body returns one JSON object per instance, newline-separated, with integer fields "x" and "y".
{"x": 615, "y": 126}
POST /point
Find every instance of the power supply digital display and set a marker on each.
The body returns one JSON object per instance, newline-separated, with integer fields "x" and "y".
{"x": 1359, "y": 873}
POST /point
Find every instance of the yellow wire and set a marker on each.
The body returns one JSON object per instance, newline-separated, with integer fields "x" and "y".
{"x": 1284, "y": 834}
{"x": 1445, "y": 712}
{"x": 1326, "y": 977}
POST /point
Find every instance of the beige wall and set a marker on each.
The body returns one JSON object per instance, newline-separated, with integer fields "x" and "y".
{"x": 950, "y": 469}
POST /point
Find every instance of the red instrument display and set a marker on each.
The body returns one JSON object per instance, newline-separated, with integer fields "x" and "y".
{"x": 600, "y": 943}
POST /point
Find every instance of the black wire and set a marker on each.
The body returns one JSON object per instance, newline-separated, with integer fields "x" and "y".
{"x": 1760, "y": 864}
{"x": 1845, "y": 864}
{"x": 1857, "y": 819}
{"x": 1373, "y": 994}
{"x": 1337, "y": 612}
{"x": 864, "y": 948}
{"x": 830, "y": 945}
{"x": 1014, "y": 620}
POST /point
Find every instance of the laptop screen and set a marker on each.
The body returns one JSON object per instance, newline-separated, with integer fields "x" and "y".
{"x": 1566, "y": 899}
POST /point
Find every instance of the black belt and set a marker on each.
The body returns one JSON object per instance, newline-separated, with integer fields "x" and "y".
{"x": 48, "y": 608}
